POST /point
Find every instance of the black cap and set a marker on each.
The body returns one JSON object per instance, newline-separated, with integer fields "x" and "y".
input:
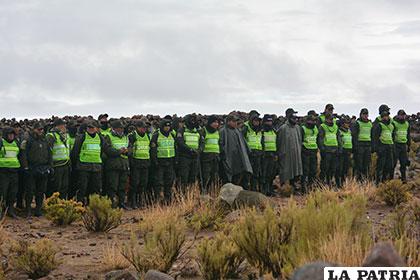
{"x": 58, "y": 122}
{"x": 267, "y": 118}
{"x": 91, "y": 124}
{"x": 312, "y": 113}
{"x": 384, "y": 107}
{"x": 38, "y": 125}
{"x": 211, "y": 119}
{"x": 329, "y": 107}
{"x": 101, "y": 116}
{"x": 401, "y": 112}
{"x": 139, "y": 123}
{"x": 117, "y": 124}
{"x": 232, "y": 117}
{"x": 290, "y": 111}
{"x": 364, "y": 111}
{"x": 253, "y": 113}
{"x": 384, "y": 113}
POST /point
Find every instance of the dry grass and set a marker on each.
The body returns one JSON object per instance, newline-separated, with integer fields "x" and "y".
{"x": 353, "y": 187}
{"x": 112, "y": 259}
{"x": 345, "y": 249}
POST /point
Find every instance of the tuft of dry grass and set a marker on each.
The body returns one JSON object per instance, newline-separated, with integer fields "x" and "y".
{"x": 352, "y": 187}
{"x": 394, "y": 192}
{"x": 112, "y": 259}
{"x": 345, "y": 248}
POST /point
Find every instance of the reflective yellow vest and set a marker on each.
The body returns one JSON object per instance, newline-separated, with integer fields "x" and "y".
{"x": 141, "y": 146}
{"x": 90, "y": 151}
{"x": 165, "y": 146}
{"x": 211, "y": 142}
{"x": 9, "y": 155}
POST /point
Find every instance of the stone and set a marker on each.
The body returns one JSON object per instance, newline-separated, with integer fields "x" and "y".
{"x": 157, "y": 275}
{"x": 120, "y": 275}
{"x": 383, "y": 254}
{"x": 313, "y": 271}
{"x": 229, "y": 192}
{"x": 251, "y": 199}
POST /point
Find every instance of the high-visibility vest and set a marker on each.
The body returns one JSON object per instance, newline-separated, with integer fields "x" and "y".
{"x": 253, "y": 139}
{"x": 211, "y": 142}
{"x": 347, "y": 139}
{"x": 322, "y": 119}
{"x": 141, "y": 146}
{"x": 90, "y": 151}
{"x": 330, "y": 137}
{"x": 71, "y": 142}
{"x": 60, "y": 150}
{"x": 309, "y": 137}
{"x": 386, "y": 133}
{"x": 9, "y": 155}
{"x": 165, "y": 146}
{"x": 105, "y": 132}
{"x": 270, "y": 143}
{"x": 192, "y": 138}
{"x": 365, "y": 129}
{"x": 119, "y": 142}
{"x": 401, "y": 131}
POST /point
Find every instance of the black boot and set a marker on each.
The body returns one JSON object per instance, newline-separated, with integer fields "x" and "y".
{"x": 38, "y": 206}
{"x": 11, "y": 212}
{"x": 133, "y": 202}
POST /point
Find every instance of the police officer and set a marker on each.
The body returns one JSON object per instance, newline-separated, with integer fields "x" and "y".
{"x": 402, "y": 141}
{"x": 9, "y": 167}
{"x": 189, "y": 145}
{"x": 210, "y": 153}
{"x": 362, "y": 144}
{"x": 329, "y": 109}
{"x": 139, "y": 141}
{"x": 59, "y": 143}
{"x": 37, "y": 162}
{"x": 87, "y": 155}
{"x": 104, "y": 124}
{"x": 328, "y": 143}
{"x": 383, "y": 144}
{"x": 345, "y": 149}
{"x": 117, "y": 165}
{"x": 162, "y": 151}
{"x": 270, "y": 157}
{"x": 253, "y": 136}
{"x": 309, "y": 150}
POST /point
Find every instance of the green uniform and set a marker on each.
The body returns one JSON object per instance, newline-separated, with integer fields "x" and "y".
{"x": 384, "y": 147}
{"x": 329, "y": 145}
{"x": 362, "y": 147}
{"x": 309, "y": 155}
{"x": 188, "y": 147}
{"x": 87, "y": 153}
{"x": 139, "y": 169}
{"x": 269, "y": 161}
{"x": 60, "y": 145}
{"x": 254, "y": 141}
{"x": 163, "y": 156}
{"x": 344, "y": 155}
{"x": 117, "y": 168}
{"x": 210, "y": 158}
{"x": 9, "y": 167}
{"x": 402, "y": 146}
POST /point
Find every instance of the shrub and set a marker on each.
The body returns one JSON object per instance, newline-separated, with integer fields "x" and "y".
{"x": 353, "y": 187}
{"x": 264, "y": 240}
{"x": 394, "y": 192}
{"x": 36, "y": 260}
{"x": 163, "y": 242}
{"x": 100, "y": 216}
{"x": 208, "y": 215}
{"x": 219, "y": 258}
{"x": 61, "y": 211}
{"x": 112, "y": 258}
{"x": 339, "y": 220}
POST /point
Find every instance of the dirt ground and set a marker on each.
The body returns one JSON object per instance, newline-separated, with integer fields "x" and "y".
{"x": 81, "y": 252}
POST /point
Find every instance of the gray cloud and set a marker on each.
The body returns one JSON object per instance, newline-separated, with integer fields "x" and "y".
{"x": 168, "y": 56}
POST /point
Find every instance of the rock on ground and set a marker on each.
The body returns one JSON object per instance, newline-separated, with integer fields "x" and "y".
{"x": 157, "y": 275}
{"x": 383, "y": 254}
{"x": 313, "y": 271}
{"x": 120, "y": 275}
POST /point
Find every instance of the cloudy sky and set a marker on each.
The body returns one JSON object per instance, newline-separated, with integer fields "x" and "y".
{"x": 178, "y": 56}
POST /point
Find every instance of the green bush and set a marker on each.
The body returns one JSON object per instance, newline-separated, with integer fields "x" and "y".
{"x": 219, "y": 258}
{"x": 394, "y": 192}
{"x": 61, "y": 211}
{"x": 264, "y": 239}
{"x": 162, "y": 246}
{"x": 208, "y": 215}
{"x": 100, "y": 216}
{"x": 36, "y": 260}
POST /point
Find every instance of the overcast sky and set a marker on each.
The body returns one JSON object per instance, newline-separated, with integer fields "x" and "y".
{"x": 178, "y": 56}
